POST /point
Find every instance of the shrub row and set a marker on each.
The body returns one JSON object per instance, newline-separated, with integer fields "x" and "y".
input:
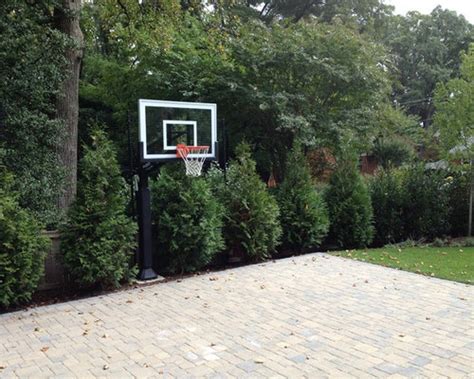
{"x": 417, "y": 203}
{"x": 199, "y": 217}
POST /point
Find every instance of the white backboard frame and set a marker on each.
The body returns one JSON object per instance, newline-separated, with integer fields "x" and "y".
{"x": 144, "y": 103}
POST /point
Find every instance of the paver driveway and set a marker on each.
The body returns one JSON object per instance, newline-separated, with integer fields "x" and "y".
{"x": 313, "y": 316}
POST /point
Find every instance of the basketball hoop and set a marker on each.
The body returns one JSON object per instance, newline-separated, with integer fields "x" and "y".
{"x": 193, "y": 157}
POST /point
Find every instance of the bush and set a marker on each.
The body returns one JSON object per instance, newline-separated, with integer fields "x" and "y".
{"x": 99, "y": 238}
{"x": 22, "y": 248}
{"x": 391, "y": 153}
{"x": 303, "y": 213}
{"x": 188, "y": 220}
{"x": 386, "y": 192}
{"x": 458, "y": 192}
{"x": 350, "y": 209}
{"x": 251, "y": 227}
{"x": 425, "y": 203}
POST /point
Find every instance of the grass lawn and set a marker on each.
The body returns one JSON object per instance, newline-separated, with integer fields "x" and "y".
{"x": 452, "y": 263}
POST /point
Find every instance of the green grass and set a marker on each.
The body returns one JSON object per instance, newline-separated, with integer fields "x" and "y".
{"x": 452, "y": 263}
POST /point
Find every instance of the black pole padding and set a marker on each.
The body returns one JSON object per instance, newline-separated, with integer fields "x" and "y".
{"x": 145, "y": 247}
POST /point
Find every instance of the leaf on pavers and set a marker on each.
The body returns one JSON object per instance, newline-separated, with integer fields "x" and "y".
{"x": 37, "y": 329}
{"x": 146, "y": 365}
{"x": 105, "y": 336}
{"x": 427, "y": 318}
{"x": 213, "y": 278}
{"x": 401, "y": 335}
{"x": 198, "y": 297}
{"x": 129, "y": 301}
{"x": 186, "y": 297}
{"x": 3, "y": 367}
{"x": 262, "y": 286}
{"x": 354, "y": 285}
{"x": 462, "y": 298}
{"x": 180, "y": 280}
{"x": 105, "y": 367}
{"x": 44, "y": 349}
{"x": 366, "y": 281}
{"x": 86, "y": 332}
{"x": 259, "y": 361}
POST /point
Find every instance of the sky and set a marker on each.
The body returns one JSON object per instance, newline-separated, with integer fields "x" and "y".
{"x": 464, "y": 7}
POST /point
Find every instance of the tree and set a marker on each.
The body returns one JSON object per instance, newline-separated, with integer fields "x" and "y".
{"x": 66, "y": 15}
{"x": 454, "y": 119}
{"x": 30, "y": 80}
{"x": 425, "y": 50}
{"x": 303, "y": 213}
{"x": 349, "y": 205}
{"x": 98, "y": 240}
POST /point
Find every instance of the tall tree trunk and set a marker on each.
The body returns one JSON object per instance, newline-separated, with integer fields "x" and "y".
{"x": 67, "y": 21}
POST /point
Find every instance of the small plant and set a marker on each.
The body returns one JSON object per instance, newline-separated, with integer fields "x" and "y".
{"x": 303, "y": 213}
{"x": 386, "y": 192}
{"x": 188, "y": 221}
{"x": 22, "y": 247}
{"x": 252, "y": 225}
{"x": 99, "y": 239}
{"x": 350, "y": 209}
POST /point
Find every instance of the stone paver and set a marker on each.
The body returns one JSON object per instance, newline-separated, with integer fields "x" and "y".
{"x": 311, "y": 316}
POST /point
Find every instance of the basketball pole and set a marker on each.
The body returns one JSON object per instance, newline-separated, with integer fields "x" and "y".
{"x": 145, "y": 247}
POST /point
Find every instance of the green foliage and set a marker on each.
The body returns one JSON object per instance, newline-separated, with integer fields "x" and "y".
{"x": 387, "y": 195}
{"x": 454, "y": 118}
{"x": 99, "y": 238}
{"x": 31, "y": 70}
{"x": 22, "y": 247}
{"x": 459, "y": 181}
{"x": 425, "y": 51}
{"x": 251, "y": 222}
{"x": 392, "y": 152}
{"x": 425, "y": 203}
{"x": 303, "y": 213}
{"x": 188, "y": 220}
{"x": 350, "y": 209}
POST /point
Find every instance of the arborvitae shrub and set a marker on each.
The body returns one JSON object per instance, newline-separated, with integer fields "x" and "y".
{"x": 252, "y": 225}
{"x": 99, "y": 239}
{"x": 350, "y": 209}
{"x": 188, "y": 220}
{"x": 386, "y": 192}
{"x": 303, "y": 213}
{"x": 459, "y": 185}
{"x": 22, "y": 247}
{"x": 425, "y": 203}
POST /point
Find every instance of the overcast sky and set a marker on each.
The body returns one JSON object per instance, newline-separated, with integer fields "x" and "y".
{"x": 464, "y": 7}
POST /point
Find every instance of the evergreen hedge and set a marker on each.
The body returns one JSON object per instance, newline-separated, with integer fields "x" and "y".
{"x": 349, "y": 205}
{"x": 303, "y": 213}
{"x": 252, "y": 225}
{"x": 22, "y": 247}
{"x": 187, "y": 219}
{"x": 99, "y": 239}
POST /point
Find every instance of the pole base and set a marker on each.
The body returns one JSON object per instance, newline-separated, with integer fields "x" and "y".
{"x": 147, "y": 274}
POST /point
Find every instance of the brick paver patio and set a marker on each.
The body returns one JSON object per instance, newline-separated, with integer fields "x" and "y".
{"x": 310, "y": 316}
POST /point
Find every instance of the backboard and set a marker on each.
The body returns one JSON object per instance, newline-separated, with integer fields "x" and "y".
{"x": 165, "y": 124}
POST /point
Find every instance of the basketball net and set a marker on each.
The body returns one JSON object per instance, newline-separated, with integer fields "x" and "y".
{"x": 193, "y": 157}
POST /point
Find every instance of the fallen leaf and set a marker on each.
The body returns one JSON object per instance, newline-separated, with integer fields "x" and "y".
{"x": 213, "y": 278}
{"x": 462, "y": 298}
{"x": 44, "y": 349}
{"x": 262, "y": 286}
{"x": 37, "y": 329}
{"x": 105, "y": 336}
{"x": 401, "y": 335}
{"x": 3, "y": 367}
{"x": 129, "y": 301}
{"x": 427, "y": 318}
{"x": 105, "y": 367}
{"x": 258, "y": 361}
